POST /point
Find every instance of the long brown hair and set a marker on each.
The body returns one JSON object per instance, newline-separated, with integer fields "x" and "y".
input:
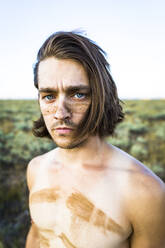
{"x": 105, "y": 110}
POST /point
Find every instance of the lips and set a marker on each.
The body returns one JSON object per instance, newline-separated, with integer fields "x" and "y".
{"x": 63, "y": 130}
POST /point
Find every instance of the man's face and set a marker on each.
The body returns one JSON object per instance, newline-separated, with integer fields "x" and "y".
{"x": 64, "y": 96}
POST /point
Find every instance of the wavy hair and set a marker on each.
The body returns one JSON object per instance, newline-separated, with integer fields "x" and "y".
{"x": 105, "y": 110}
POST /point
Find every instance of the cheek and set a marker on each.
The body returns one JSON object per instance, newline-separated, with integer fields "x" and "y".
{"x": 47, "y": 109}
{"x": 79, "y": 108}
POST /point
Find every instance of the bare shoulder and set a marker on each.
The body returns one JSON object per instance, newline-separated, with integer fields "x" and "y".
{"x": 146, "y": 208}
{"x": 144, "y": 196}
{"x": 140, "y": 179}
{"x": 146, "y": 192}
{"x": 34, "y": 166}
{"x": 138, "y": 176}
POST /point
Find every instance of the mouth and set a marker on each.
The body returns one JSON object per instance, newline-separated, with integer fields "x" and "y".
{"x": 63, "y": 130}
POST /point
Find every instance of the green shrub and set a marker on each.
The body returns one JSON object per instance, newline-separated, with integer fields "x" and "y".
{"x": 139, "y": 151}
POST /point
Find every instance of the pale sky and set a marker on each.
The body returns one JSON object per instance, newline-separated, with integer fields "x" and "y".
{"x": 132, "y": 32}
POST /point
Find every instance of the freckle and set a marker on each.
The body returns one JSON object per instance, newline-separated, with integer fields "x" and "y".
{"x": 48, "y": 111}
{"x": 66, "y": 241}
{"x": 79, "y": 107}
{"x": 44, "y": 195}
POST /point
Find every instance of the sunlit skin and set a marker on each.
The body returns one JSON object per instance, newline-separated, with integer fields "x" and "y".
{"x": 87, "y": 193}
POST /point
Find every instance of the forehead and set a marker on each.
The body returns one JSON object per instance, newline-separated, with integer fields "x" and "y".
{"x": 54, "y": 72}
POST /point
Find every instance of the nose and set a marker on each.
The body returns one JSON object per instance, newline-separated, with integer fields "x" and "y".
{"x": 62, "y": 111}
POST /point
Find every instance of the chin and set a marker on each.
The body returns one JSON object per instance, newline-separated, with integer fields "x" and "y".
{"x": 65, "y": 144}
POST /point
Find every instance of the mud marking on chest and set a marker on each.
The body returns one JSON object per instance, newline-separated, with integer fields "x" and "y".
{"x": 45, "y": 195}
{"x": 66, "y": 241}
{"x": 44, "y": 241}
{"x": 44, "y": 236}
{"x": 84, "y": 209}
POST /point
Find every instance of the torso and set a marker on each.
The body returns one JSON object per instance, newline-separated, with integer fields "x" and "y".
{"x": 80, "y": 208}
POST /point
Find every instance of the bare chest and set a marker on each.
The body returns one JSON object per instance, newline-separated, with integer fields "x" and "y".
{"x": 70, "y": 215}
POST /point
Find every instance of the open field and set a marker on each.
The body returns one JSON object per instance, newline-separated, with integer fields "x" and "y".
{"x": 142, "y": 134}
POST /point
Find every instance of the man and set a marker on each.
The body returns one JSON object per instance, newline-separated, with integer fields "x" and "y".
{"x": 87, "y": 193}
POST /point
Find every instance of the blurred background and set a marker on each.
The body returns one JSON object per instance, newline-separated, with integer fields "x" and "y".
{"x": 131, "y": 33}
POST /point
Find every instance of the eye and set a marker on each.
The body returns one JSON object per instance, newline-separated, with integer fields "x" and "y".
{"x": 80, "y": 95}
{"x": 49, "y": 98}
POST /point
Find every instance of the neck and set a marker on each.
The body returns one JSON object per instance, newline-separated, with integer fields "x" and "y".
{"x": 91, "y": 150}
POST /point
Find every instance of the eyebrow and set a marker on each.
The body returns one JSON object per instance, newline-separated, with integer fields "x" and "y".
{"x": 68, "y": 89}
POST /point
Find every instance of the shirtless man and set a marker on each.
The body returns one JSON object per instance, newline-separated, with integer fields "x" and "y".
{"x": 87, "y": 193}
